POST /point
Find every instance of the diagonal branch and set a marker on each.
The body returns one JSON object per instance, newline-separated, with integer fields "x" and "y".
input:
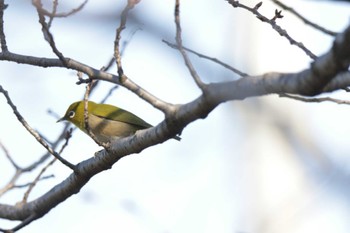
{"x": 178, "y": 38}
{"x": 33, "y": 132}
{"x": 213, "y": 59}
{"x": 302, "y": 18}
{"x": 47, "y": 34}
{"x": 39, "y": 176}
{"x": 19, "y": 171}
{"x": 8, "y": 156}
{"x": 272, "y": 22}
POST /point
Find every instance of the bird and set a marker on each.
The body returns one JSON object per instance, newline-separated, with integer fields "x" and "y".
{"x": 106, "y": 122}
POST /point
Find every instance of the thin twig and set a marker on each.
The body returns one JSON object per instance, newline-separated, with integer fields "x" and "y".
{"x": 105, "y": 68}
{"x": 305, "y": 20}
{"x": 117, "y": 51}
{"x": 126, "y": 42}
{"x": 109, "y": 94}
{"x": 36, "y": 180}
{"x": 39, "y": 176}
{"x": 178, "y": 38}
{"x": 272, "y": 22}
{"x": 24, "y": 223}
{"x": 213, "y": 59}
{"x": 109, "y": 65}
{"x": 46, "y": 32}
{"x": 33, "y": 132}
{"x": 315, "y": 100}
{"x": 54, "y": 10}
{"x": 54, "y": 14}
{"x": 43, "y": 158}
{"x": 10, "y": 185}
{"x": 22, "y": 170}
{"x": 122, "y": 78}
{"x": 8, "y": 156}
{"x": 86, "y": 117}
{"x": 53, "y": 114}
{"x": 30, "y": 183}
{"x": 3, "y": 6}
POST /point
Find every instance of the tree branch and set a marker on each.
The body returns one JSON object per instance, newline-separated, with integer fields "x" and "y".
{"x": 46, "y": 31}
{"x": 33, "y": 132}
{"x": 2, "y": 32}
{"x": 302, "y": 18}
{"x": 273, "y": 24}
{"x": 213, "y": 59}
{"x": 316, "y": 100}
{"x": 54, "y": 14}
{"x": 178, "y": 39}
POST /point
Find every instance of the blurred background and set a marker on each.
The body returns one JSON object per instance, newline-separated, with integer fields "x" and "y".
{"x": 262, "y": 165}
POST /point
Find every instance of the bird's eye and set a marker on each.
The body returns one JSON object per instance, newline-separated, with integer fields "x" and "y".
{"x": 71, "y": 114}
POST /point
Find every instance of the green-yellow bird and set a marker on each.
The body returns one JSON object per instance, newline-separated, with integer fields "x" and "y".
{"x": 106, "y": 122}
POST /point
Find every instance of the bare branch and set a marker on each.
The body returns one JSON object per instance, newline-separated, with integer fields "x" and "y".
{"x": 127, "y": 41}
{"x": 8, "y": 156}
{"x": 46, "y": 32}
{"x": 213, "y": 59}
{"x": 39, "y": 176}
{"x": 54, "y": 9}
{"x": 122, "y": 25}
{"x": 86, "y": 117}
{"x": 10, "y": 185}
{"x": 21, "y": 171}
{"x": 33, "y": 132}
{"x": 109, "y": 94}
{"x": 24, "y": 223}
{"x": 30, "y": 183}
{"x": 178, "y": 38}
{"x": 3, "y": 6}
{"x": 273, "y": 24}
{"x": 54, "y": 14}
{"x": 92, "y": 73}
{"x": 36, "y": 180}
{"x": 109, "y": 65}
{"x": 302, "y": 18}
{"x": 316, "y": 100}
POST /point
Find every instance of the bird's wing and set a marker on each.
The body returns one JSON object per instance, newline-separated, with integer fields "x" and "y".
{"x": 113, "y": 113}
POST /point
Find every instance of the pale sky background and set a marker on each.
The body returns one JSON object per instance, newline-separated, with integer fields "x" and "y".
{"x": 262, "y": 165}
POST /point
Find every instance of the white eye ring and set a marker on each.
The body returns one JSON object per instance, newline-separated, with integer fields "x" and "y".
{"x": 71, "y": 114}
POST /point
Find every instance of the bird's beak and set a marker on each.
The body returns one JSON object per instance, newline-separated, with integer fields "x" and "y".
{"x": 61, "y": 119}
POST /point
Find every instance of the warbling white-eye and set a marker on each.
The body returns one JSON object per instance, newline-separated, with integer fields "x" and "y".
{"x": 106, "y": 122}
